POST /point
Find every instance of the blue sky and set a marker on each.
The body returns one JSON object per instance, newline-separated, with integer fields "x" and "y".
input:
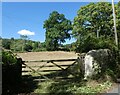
{"x": 30, "y": 16}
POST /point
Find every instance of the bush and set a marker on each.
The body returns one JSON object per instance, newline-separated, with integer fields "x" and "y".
{"x": 28, "y": 47}
{"x": 90, "y": 42}
{"x": 11, "y": 72}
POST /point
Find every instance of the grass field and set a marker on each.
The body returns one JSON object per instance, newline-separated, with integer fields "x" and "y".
{"x": 47, "y": 55}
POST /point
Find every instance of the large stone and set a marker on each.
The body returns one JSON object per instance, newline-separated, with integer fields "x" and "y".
{"x": 96, "y": 61}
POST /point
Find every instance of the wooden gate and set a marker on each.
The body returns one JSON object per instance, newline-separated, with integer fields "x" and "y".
{"x": 50, "y": 68}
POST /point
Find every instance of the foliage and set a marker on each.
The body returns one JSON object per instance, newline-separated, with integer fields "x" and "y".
{"x": 93, "y": 27}
{"x": 28, "y": 47}
{"x": 57, "y": 28}
{"x": 96, "y": 89}
{"x": 6, "y": 43}
{"x": 24, "y": 37}
{"x": 11, "y": 72}
{"x": 8, "y": 58}
{"x": 93, "y": 18}
{"x": 21, "y": 45}
{"x": 72, "y": 87}
{"x": 35, "y": 45}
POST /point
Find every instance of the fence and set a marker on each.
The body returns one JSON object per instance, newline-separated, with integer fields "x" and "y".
{"x": 48, "y": 68}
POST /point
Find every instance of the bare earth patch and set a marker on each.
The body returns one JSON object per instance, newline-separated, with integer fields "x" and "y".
{"x": 30, "y": 56}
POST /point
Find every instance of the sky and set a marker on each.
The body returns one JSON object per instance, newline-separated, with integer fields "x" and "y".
{"x": 28, "y": 17}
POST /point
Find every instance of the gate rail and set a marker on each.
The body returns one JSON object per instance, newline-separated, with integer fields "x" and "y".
{"x": 53, "y": 62}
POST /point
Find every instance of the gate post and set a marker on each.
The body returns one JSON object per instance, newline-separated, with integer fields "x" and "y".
{"x": 80, "y": 61}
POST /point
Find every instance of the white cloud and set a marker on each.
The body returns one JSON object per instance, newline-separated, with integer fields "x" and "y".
{"x": 25, "y": 32}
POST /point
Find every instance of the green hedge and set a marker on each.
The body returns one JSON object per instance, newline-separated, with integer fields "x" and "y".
{"x": 11, "y": 72}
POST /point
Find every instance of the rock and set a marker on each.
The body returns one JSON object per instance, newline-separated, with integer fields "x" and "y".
{"x": 95, "y": 62}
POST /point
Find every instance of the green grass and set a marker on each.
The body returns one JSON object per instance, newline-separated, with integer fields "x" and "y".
{"x": 90, "y": 89}
{"x": 71, "y": 87}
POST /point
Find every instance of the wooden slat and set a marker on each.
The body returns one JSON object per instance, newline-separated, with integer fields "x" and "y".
{"x": 26, "y": 71}
{"x": 57, "y": 65}
{"x": 52, "y": 65}
{"x": 60, "y": 60}
{"x": 23, "y": 66}
{"x": 52, "y": 62}
{"x": 71, "y": 65}
{"x": 36, "y": 71}
{"x": 48, "y": 70}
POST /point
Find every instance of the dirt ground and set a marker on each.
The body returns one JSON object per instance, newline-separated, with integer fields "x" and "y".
{"x": 34, "y": 56}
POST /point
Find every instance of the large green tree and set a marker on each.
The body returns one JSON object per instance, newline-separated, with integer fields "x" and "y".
{"x": 57, "y": 30}
{"x": 93, "y": 25}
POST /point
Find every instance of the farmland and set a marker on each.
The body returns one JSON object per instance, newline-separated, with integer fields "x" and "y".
{"x": 47, "y": 55}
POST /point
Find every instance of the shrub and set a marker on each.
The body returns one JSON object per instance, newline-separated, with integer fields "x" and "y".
{"x": 11, "y": 72}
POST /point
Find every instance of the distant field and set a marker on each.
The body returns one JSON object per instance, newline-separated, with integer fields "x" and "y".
{"x": 30, "y": 56}
{"x": 55, "y": 55}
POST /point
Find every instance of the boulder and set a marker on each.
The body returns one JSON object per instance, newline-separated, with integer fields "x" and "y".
{"x": 96, "y": 61}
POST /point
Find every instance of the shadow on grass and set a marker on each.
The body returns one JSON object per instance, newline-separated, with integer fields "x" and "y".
{"x": 61, "y": 84}
{"x": 65, "y": 86}
{"x": 26, "y": 85}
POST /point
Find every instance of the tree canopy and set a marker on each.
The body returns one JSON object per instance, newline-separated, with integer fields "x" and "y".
{"x": 94, "y": 24}
{"x": 57, "y": 30}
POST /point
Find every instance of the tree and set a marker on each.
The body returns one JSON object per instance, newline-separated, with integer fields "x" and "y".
{"x": 57, "y": 30}
{"x": 94, "y": 17}
{"x": 28, "y": 47}
{"x": 24, "y": 40}
{"x": 35, "y": 45}
{"x": 6, "y": 43}
{"x": 93, "y": 21}
{"x": 24, "y": 37}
